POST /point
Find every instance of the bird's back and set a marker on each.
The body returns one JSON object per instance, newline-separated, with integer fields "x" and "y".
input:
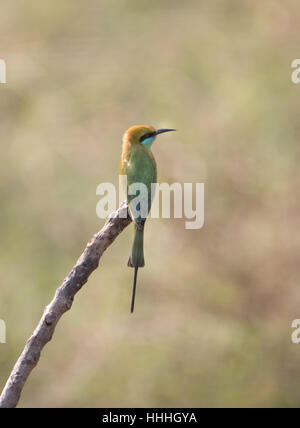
{"x": 139, "y": 165}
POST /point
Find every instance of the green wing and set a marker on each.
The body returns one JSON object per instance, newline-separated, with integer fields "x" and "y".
{"x": 140, "y": 167}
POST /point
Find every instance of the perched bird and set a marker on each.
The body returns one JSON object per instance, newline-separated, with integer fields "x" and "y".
{"x": 138, "y": 164}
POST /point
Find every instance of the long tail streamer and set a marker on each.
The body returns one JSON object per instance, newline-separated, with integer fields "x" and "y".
{"x": 134, "y": 288}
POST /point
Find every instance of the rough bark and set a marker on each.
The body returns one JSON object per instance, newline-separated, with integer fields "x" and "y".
{"x": 62, "y": 302}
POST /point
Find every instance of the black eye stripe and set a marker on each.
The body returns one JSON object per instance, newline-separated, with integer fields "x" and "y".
{"x": 147, "y": 135}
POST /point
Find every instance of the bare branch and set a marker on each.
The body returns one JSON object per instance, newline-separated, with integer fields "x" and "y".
{"x": 62, "y": 302}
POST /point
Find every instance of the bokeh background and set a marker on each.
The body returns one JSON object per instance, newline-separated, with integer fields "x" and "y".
{"x": 214, "y": 307}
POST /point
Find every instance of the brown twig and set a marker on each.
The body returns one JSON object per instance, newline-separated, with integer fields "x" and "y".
{"x": 62, "y": 302}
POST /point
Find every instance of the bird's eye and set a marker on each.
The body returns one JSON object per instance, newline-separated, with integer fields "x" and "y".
{"x": 147, "y": 135}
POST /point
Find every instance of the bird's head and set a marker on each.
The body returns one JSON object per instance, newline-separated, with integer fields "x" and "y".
{"x": 142, "y": 134}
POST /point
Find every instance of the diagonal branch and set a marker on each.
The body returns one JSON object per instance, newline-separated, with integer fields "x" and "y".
{"x": 62, "y": 302}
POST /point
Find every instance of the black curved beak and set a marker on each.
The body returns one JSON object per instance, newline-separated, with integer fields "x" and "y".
{"x": 161, "y": 131}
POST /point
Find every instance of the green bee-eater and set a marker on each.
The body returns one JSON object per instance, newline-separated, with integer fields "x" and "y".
{"x": 138, "y": 164}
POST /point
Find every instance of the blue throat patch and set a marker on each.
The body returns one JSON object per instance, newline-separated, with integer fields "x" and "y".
{"x": 148, "y": 142}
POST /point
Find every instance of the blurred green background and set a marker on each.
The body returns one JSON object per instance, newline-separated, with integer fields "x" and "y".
{"x": 214, "y": 307}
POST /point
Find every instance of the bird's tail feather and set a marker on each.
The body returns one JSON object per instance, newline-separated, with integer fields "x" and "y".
{"x": 136, "y": 258}
{"x": 134, "y": 288}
